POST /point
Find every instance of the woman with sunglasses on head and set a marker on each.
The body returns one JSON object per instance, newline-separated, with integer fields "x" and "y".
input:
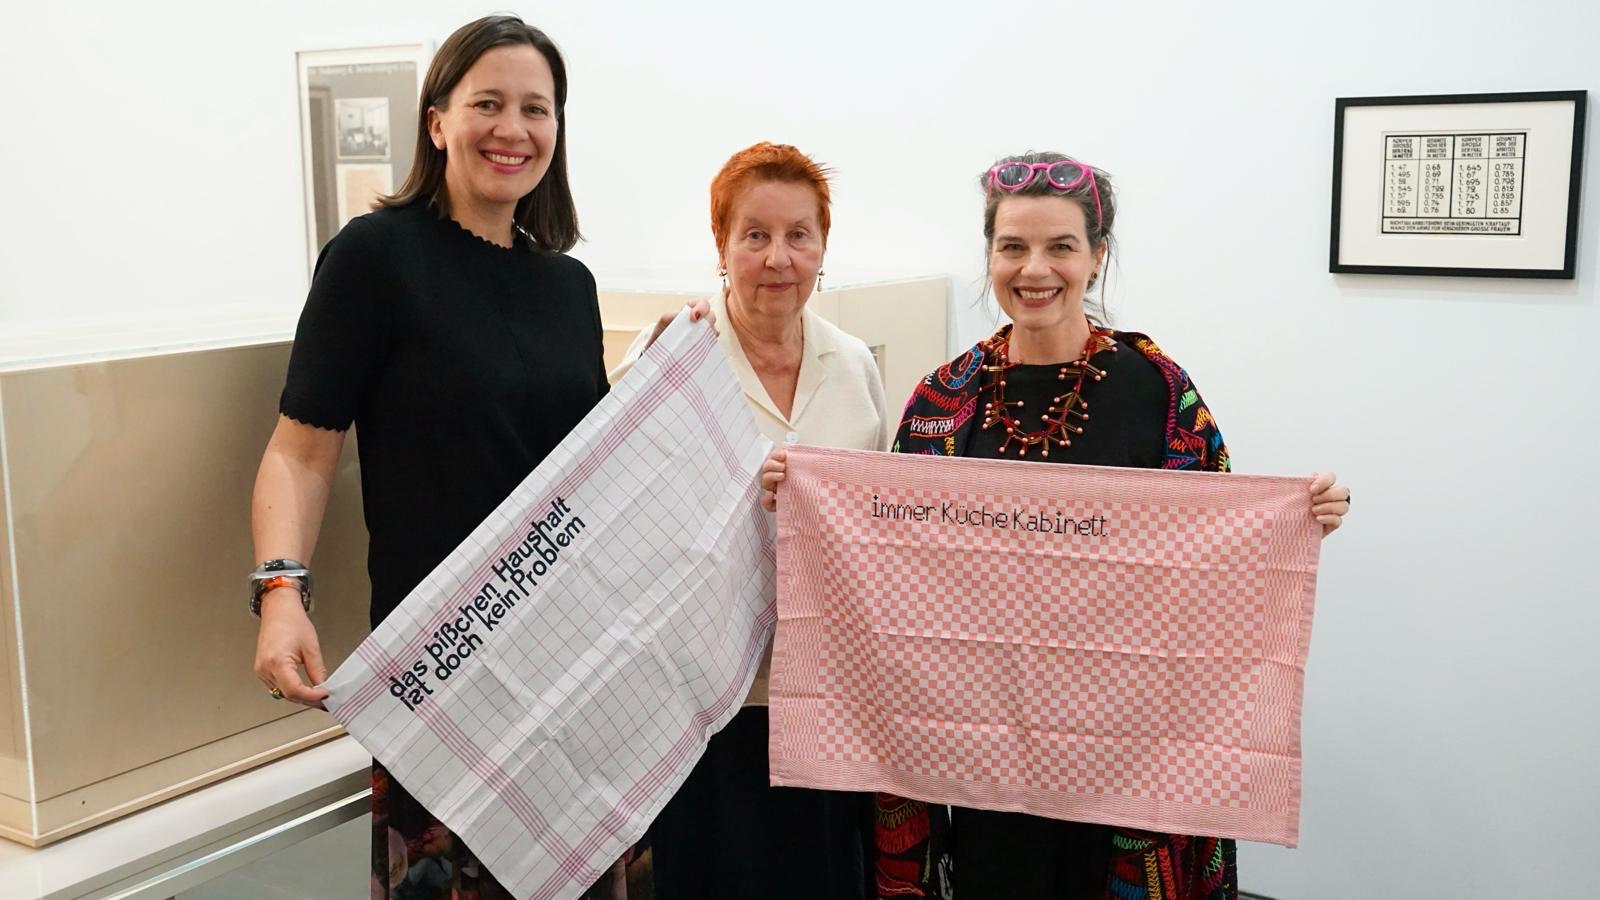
{"x": 728, "y": 833}
{"x": 1026, "y": 392}
{"x": 450, "y": 327}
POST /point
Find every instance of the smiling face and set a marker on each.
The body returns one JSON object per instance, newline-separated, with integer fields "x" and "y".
{"x": 1041, "y": 263}
{"x": 774, "y": 249}
{"x": 498, "y": 131}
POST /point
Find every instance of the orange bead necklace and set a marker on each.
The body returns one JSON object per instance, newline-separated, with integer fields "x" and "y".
{"x": 1058, "y": 427}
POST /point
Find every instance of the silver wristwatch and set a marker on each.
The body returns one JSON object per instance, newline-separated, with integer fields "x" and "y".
{"x": 280, "y": 573}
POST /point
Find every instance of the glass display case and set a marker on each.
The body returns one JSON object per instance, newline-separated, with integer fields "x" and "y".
{"x": 127, "y": 458}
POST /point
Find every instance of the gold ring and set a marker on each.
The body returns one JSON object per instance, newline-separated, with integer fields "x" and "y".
{"x": 275, "y": 694}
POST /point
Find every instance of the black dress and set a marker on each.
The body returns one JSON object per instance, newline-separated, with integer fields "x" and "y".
{"x": 462, "y": 365}
{"x": 1014, "y": 855}
{"x": 728, "y": 834}
{"x": 1128, "y": 413}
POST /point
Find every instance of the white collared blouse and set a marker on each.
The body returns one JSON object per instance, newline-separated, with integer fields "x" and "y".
{"x": 838, "y": 402}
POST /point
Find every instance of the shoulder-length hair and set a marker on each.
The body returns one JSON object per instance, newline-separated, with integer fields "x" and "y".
{"x": 547, "y": 212}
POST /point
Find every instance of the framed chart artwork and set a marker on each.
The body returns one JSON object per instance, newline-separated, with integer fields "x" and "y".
{"x": 358, "y": 120}
{"x": 1457, "y": 184}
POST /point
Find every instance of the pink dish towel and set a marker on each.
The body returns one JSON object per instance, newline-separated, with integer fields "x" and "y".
{"x": 1121, "y": 646}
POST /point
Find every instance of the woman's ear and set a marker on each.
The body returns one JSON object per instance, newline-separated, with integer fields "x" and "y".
{"x": 435, "y": 130}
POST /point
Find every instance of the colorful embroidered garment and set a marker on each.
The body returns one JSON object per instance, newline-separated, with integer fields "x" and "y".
{"x": 417, "y": 857}
{"x": 945, "y": 407}
{"x": 913, "y": 841}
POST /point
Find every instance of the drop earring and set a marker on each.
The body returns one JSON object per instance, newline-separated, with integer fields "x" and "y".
{"x": 820, "y": 273}
{"x": 723, "y": 272}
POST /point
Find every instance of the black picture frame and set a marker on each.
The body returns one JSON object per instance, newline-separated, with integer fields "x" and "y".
{"x": 1389, "y": 253}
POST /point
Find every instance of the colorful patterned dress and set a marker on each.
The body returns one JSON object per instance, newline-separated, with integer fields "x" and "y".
{"x": 914, "y": 841}
{"x": 415, "y": 857}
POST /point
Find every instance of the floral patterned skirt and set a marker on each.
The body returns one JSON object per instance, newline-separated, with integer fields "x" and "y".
{"x": 415, "y": 857}
{"x": 920, "y": 852}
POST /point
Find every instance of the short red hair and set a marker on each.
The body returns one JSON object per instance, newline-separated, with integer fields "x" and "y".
{"x": 760, "y": 164}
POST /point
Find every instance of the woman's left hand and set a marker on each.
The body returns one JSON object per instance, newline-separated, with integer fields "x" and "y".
{"x": 772, "y": 472}
{"x": 698, "y": 309}
{"x": 1330, "y": 502}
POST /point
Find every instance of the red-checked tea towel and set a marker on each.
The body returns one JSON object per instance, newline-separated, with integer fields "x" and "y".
{"x": 1122, "y": 646}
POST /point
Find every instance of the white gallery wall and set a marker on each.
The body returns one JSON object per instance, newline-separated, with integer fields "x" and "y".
{"x": 153, "y": 169}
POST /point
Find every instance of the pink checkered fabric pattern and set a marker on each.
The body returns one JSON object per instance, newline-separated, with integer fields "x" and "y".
{"x": 1121, "y": 646}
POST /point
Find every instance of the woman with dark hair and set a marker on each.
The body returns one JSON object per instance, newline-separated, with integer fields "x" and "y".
{"x": 450, "y": 327}
{"x": 1026, "y": 393}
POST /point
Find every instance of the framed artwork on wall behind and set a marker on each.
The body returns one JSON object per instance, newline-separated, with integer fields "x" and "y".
{"x": 1457, "y": 184}
{"x": 358, "y": 115}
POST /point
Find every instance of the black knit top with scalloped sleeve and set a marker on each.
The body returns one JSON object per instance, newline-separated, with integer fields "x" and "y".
{"x": 461, "y": 363}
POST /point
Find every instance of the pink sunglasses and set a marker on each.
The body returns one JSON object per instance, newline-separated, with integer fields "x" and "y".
{"x": 1063, "y": 175}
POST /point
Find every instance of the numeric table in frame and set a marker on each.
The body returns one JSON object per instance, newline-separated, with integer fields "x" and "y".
{"x": 1453, "y": 183}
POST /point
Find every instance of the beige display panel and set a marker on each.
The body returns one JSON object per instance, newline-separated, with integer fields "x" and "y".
{"x": 126, "y": 539}
{"x": 904, "y": 322}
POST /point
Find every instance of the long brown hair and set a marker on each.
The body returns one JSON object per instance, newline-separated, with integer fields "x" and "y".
{"x": 547, "y": 212}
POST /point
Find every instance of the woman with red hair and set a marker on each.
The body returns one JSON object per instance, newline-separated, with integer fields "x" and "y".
{"x": 727, "y": 832}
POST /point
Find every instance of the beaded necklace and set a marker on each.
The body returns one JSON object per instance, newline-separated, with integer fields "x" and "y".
{"x": 1064, "y": 407}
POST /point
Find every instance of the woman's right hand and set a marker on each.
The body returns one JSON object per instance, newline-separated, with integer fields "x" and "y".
{"x": 771, "y": 473}
{"x": 286, "y": 642}
{"x": 699, "y": 308}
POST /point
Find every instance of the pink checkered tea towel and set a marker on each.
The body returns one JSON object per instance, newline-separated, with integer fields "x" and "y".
{"x": 1120, "y": 646}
